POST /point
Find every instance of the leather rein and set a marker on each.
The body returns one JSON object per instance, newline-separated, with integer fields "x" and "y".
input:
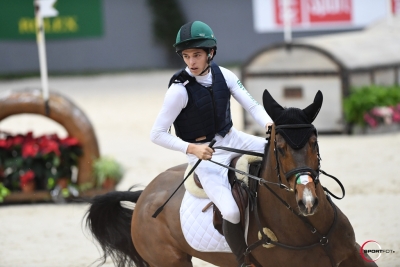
{"x": 323, "y": 239}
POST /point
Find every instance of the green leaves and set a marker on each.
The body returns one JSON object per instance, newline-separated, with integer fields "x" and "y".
{"x": 107, "y": 167}
{"x": 364, "y": 99}
{"x": 4, "y": 191}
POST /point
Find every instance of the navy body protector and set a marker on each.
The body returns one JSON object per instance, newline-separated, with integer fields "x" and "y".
{"x": 207, "y": 112}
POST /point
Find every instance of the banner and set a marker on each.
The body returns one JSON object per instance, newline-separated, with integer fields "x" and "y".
{"x": 306, "y": 15}
{"x": 76, "y": 19}
{"x": 396, "y": 7}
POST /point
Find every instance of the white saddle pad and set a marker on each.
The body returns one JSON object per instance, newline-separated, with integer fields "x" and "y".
{"x": 198, "y": 228}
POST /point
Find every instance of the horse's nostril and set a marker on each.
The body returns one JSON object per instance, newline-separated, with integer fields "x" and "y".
{"x": 301, "y": 205}
{"x": 315, "y": 202}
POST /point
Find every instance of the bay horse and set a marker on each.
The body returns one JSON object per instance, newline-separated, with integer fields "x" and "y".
{"x": 310, "y": 229}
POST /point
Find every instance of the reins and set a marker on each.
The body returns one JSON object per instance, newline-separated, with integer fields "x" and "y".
{"x": 280, "y": 184}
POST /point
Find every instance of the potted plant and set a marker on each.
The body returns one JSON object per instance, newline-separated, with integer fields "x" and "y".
{"x": 37, "y": 163}
{"x": 108, "y": 172}
{"x": 4, "y": 191}
{"x": 372, "y": 106}
{"x": 27, "y": 181}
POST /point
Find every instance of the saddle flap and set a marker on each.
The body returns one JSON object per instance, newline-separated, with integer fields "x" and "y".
{"x": 238, "y": 191}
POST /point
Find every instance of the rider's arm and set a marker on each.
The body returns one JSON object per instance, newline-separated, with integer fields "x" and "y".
{"x": 240, "y": 93}
{"x": 175, "y": 100}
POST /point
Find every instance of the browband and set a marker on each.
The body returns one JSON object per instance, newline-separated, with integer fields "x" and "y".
{"x": 293, "y": 126}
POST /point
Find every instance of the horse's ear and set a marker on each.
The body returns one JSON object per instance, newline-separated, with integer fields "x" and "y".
{"x": 312, "y": 110}
{"x": 273, "y": 109}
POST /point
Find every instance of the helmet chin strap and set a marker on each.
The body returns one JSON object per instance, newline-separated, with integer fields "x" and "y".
{"x": 209, "y": 58}
{"x": 206, "y": 69}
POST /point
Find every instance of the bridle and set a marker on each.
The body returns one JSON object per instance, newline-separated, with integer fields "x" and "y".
{"x": 323, "y": 238}
{"x": 314, "y": 174}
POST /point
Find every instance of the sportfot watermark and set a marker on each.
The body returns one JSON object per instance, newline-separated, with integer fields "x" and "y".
{"x": 374, "y": 250}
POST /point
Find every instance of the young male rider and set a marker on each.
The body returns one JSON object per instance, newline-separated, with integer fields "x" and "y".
{"x": 198, "y": 104}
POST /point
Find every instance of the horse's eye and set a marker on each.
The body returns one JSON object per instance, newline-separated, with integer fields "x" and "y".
{"x": 281, "y": 150}
{"x": 315, "y": 145}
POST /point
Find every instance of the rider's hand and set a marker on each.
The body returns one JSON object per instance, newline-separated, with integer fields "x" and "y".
{"x": 267, "y": 125}
{"x": 268, "y": 134}
{"x": 201, "y": 151}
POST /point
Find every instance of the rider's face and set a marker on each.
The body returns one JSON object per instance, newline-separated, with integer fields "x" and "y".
{"x": 195, "y": 59}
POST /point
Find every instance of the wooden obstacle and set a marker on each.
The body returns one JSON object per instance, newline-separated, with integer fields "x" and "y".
{"x": 66, "y": 113}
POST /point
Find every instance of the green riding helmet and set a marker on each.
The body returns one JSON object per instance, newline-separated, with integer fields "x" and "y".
{"x": 195, "y": 34}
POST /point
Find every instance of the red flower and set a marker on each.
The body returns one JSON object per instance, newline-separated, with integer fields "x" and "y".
{"x": 54, "y": 137}
{"x": 396, "y": 117}
{"x": 3, "y": 143}
{"x": 10, "y": 142}
{"x": 47, "y": 146}
{"x": 18, "y": 140}
{"x": 69, "y": 141}
{"x": 27, "y": 177}
{"x": 30, "y": 149}
{"x": 29, "y": 137}
{"x": 370, "y": 120}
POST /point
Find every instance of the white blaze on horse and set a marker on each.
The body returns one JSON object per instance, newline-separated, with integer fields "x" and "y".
{"x": 291, "y": 218}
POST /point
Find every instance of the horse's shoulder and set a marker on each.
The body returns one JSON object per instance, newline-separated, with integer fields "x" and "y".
{"x": 175, "y": 171}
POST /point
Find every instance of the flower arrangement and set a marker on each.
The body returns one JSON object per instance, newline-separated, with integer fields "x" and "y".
{"x": 40, "y": 162}
{"x": 373, "y": 106}
{"x": 382, "y": 115}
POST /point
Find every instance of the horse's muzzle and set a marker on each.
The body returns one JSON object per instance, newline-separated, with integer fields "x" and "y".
{"x": 308, "y": 206}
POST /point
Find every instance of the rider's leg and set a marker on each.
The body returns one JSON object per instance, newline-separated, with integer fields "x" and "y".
{"x": 234, "y": 235}
{"x": 218, "y": 189}
{"x": 215, "y": 183}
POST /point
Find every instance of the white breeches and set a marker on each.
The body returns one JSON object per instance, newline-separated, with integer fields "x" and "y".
{"x": 214, "y": 178}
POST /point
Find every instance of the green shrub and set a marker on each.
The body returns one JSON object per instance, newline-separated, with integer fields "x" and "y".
{"x": 107, "y": 167}
{"x": 167, "y": 18}
{"x": 363, "y": 99}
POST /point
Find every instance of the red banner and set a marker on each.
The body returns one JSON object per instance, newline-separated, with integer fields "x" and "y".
{"x": 295, "y": 11}
{"x": 315, "y": 11}
{"x": 396, "y": 7}
{"x": 329, "y": 10}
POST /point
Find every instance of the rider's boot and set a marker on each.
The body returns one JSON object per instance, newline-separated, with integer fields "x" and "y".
{"x": 234, "y": 235}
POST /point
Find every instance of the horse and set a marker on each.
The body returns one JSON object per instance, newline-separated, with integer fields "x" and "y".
{"x": 307, "y": 228}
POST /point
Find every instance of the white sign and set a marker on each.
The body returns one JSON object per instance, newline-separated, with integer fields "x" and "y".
{"x": 306, "y": 15}
{"x": 46, "y": 8}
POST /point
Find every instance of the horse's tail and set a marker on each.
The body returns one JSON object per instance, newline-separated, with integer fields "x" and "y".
{"x": 110, "y": 224}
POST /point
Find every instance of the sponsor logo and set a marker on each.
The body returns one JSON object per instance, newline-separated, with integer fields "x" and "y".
{"x": 374, "y": 251}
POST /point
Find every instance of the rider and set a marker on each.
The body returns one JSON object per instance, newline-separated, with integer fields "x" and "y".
{"x": 198, "y": 104}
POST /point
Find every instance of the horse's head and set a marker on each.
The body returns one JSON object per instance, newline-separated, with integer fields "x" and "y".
{"x": 296, "y": 149}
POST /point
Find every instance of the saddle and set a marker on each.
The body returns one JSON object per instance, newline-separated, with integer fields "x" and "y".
{"x": 238, "y": 189}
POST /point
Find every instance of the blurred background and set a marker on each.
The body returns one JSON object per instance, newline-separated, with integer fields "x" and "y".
{"x": 104, "y": 35}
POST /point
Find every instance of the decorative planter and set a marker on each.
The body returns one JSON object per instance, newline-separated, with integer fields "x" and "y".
{"x": 63, "y": 182}
{"x": 108, "y": 184}
{"x": 28, "y": 187}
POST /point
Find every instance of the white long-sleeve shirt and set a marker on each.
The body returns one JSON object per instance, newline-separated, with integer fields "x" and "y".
{"x": 176, "y": 99}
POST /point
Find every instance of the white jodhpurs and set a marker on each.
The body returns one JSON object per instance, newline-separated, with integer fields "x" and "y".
{"x": 214, "y": 178}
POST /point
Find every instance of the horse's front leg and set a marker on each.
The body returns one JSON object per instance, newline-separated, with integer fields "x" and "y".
{"x": 355, "y": 260}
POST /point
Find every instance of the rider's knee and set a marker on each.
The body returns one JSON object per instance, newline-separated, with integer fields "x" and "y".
{"x": 231, "y": 214}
